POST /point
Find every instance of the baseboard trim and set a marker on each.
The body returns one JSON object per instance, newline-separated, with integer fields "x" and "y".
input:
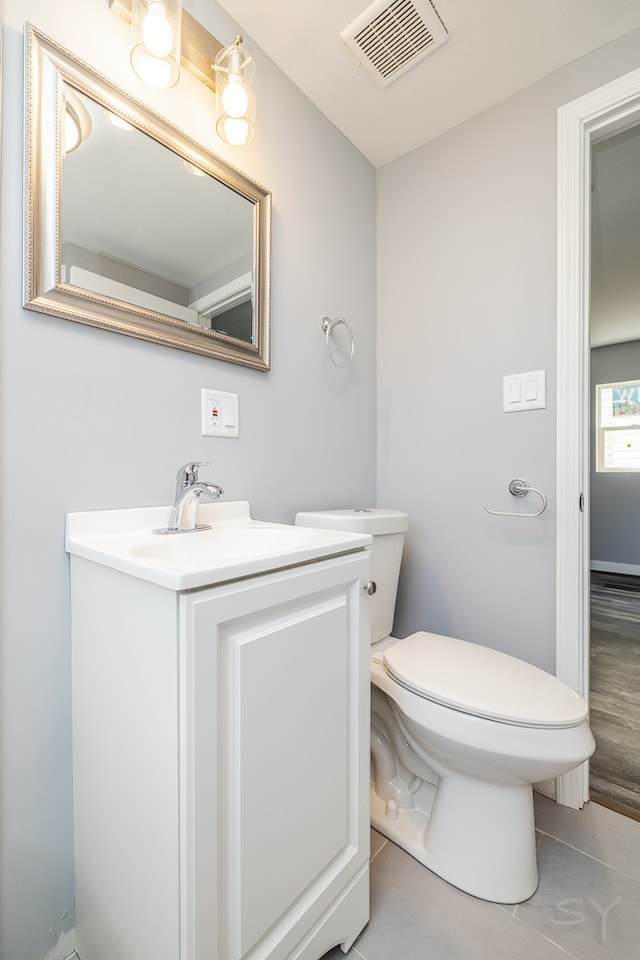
{"x": 609, "y": 566}
{"x": 616, "y": 805}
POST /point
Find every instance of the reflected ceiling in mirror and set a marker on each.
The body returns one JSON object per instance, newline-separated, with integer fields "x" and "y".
{"x": 138, "y": 229}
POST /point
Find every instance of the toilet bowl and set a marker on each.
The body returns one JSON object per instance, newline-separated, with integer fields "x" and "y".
{"x": 459, "y": 734}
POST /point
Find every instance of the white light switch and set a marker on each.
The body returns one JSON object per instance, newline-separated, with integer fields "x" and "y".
{"x": 524, "y": 391}
{"x": 515, "y": 391}
{"x": 219, "y": 414}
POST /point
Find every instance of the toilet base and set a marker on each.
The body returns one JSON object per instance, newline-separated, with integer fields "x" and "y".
{"x": 478, "y": 836}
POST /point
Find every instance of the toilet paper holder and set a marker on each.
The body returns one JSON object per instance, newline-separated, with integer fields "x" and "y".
{"x": 520, "y": 488}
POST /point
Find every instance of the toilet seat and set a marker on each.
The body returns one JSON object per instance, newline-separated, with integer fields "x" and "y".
{"x": 482, "y": 682}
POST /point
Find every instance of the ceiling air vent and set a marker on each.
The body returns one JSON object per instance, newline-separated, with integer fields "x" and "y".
{"x": 390, "y": 38}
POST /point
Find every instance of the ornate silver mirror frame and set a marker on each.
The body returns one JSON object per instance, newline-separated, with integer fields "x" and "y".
{"x": 50, "y": 71}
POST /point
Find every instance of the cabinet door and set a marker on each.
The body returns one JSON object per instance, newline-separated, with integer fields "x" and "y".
{"x": 275, "y": 757}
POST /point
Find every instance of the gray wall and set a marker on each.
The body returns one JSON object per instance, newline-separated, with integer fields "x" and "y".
{"x": 615, "y": 239}
{"x": 615, "y": 497}
{"x": 93, "y": 420}
{"x": 467, "y": 294}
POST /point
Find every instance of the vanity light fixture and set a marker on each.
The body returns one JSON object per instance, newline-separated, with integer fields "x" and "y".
{"x": 227, "y": 71}
{"x": 192, "y": 169}
{"x": 157, "y": 30}
{"x": 77, "y": 122}
{"x": 235, "y": 94}
{"x": 118, "y": 122}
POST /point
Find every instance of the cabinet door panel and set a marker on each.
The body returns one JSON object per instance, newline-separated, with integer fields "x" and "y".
{"x": 289, "y": 759}
{"x": 275, "y": 687}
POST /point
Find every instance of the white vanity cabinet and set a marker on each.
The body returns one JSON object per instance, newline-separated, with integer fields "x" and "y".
{"x": 221, "y": 763}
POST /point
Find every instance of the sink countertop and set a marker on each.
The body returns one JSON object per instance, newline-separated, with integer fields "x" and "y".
{"x": 237, "y": 546}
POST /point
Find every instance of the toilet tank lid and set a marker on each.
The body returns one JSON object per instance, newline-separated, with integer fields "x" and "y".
{"x": 371, "y": 520}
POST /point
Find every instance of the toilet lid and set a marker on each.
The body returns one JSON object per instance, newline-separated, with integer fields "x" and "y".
{"x": 483, "y": 682}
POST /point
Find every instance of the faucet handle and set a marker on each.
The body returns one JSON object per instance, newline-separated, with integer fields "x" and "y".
{"x": 188, "y": 474}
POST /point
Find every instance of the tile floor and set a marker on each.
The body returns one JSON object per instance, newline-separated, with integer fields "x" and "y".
{"x": 586, "y": 907}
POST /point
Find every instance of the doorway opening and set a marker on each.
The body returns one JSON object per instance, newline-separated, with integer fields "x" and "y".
{"x": 600, "y": 114}
{"x": 614, "y": 517}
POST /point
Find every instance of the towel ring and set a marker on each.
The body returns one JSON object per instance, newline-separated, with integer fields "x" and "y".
{"x": 327, "y": 326}
{"x": 520, "y": 488}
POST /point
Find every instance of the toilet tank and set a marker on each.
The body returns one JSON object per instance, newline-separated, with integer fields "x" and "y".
{"x": 387, "y": 527}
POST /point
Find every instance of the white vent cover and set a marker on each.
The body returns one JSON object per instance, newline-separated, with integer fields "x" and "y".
{"x": 391, "y": 37}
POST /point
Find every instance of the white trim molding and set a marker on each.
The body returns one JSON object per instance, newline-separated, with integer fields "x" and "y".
{"x": 223, "y": 298}
{"x": 601, "y": 113}
{"x": 612, "y": 566}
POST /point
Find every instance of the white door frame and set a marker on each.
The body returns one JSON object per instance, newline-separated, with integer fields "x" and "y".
{"x": 599, "y": 114}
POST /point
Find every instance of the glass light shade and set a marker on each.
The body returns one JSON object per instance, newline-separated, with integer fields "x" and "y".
{"x": 71, "y": 131}
{"x": 235, "y": 94}
{"x": 118, "y": 122}
{"x": 157, "y": 38}
{"x": 192, "y": 169}
{"x": 77, "y": 123}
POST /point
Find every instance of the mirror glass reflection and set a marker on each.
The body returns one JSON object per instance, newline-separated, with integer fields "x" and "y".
{"x": 132, "y": 226}
{"x": 142, "y": 225}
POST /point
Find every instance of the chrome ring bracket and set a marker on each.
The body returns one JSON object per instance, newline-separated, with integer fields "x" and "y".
{"x": 328, "y": 326}
{"x": 520, "y": 488}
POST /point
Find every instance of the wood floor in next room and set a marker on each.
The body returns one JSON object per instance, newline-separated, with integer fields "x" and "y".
{"x": 615, "y": 690}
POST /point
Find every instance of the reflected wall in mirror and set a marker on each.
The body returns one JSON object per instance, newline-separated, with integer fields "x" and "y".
{"x": 134, "y": 227}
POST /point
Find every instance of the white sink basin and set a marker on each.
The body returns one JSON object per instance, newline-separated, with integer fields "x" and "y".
{"x": 235, "y": 547}
{"x": 224, "y": 543}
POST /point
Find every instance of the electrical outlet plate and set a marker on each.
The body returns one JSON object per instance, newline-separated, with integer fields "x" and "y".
{"x": 219, "y": 414}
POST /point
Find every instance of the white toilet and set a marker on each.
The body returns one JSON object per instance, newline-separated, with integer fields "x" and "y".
{"x": 459, "y": 733}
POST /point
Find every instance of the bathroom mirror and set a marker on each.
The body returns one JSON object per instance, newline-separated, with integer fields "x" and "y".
{"x": 131, "y": 226}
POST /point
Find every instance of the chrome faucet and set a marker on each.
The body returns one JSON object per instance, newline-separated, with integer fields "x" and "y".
{"x": 189, "y": 491}
{"x": 187, "y": 475}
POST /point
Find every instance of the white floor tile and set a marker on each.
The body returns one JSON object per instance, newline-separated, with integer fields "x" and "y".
{"x": 595, "y": 830}
{"x": 587, "y": 906}
{"x": 415, "y": 916}
{"x": 589, "y": 909}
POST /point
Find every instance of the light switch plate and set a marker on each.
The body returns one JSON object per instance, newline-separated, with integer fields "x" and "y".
{"x": 220, "y": 415}
{"x": 524, "y": 391}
